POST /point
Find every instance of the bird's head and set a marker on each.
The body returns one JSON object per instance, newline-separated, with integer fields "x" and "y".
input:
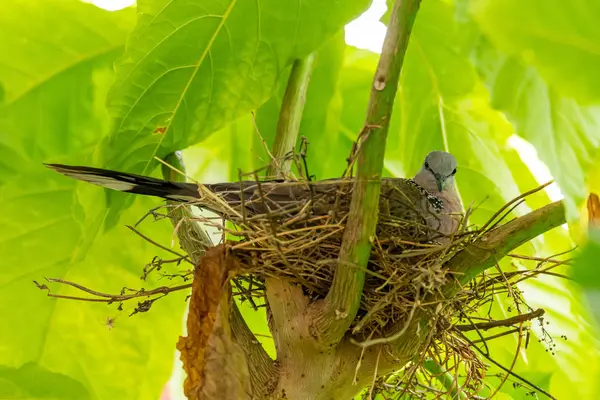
{"x": 440, "y": 166}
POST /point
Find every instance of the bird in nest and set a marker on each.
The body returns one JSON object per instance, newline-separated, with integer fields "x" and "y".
{"x": 432, "y": 192}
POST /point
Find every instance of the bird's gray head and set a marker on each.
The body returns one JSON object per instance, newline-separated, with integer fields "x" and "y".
{"x": 442, "y": 166}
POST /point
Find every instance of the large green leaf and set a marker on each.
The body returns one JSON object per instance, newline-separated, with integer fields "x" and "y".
{"x": 539, "y": 72}
{"x": 585, "y": 272}
{"x": 70, "y": 337}
{"x": 55, "y": 78}
{"x": 192, "y": 67}
{"x": 560, "y": 38}
{"x": 44, "y": 39}
{"x": 565, "y": 134}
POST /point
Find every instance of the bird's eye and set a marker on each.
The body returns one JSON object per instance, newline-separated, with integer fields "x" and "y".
{"x": 426, "y": 164}
{"x": 454, "y": 172}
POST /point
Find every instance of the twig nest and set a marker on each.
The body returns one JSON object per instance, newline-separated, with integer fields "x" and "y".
{"x": 294, "y": 230}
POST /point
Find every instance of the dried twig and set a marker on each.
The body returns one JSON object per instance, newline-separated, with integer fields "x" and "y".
{"x": 111, "y": 297}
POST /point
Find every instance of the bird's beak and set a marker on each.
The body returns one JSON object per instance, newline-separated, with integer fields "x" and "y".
{"x": 440, "y": 182}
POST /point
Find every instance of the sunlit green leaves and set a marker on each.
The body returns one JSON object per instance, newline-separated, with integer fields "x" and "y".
{"x": 67, "y": 337}
{"x": 55, "y": 70}
{"x": 541, "y": 74}
{"x": 41, "y": 40}
{"x": 560, "y": 38}
{"x": 55, "y": 77}
{"x": 191, "y": 68}
{"x": 566, "y": 135}
{"x": 585, "y": 272}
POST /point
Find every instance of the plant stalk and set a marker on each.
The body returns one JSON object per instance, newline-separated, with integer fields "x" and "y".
{"x": 342, "y": 302}
{"x": 290, "y": 116}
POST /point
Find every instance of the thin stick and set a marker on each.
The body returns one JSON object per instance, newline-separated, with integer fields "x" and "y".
{"x": 374, "y": 375}
{"x": 111, "y": 298}
{"x": 485, "y": 339}
{"x": 510, "y": 203}
{"x": 501, "y": 323}
{"x": 514, "y": 361}
{"x": 508, "y": 371}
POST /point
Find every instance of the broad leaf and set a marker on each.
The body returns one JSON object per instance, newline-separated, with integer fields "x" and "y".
{"x": 566, "y": 135}
{"x": 42, "y": 40}
{"x": 193, "y": 67}
{"x": 55, "y": 78}
{"x": 560, "y": 38}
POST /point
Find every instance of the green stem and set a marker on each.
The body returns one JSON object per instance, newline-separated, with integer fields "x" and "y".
{"x": 290, "y": 115}
{"x": 445, "y": 378}
{"x": 341, "y": 304}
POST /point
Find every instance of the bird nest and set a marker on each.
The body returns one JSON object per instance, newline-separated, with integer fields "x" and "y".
{"x": 300, "y": 240}
{"x": 295, "y": 230}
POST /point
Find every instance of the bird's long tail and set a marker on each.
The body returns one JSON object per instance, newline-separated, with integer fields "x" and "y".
{"x": 130, "y": 183}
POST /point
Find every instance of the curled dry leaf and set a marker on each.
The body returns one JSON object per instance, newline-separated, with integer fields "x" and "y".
{"x": 215, "y": 365}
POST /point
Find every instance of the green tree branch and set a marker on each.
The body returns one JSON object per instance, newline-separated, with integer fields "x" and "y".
{"x": 337, "y": 311}
{"x": 290, "y": 115}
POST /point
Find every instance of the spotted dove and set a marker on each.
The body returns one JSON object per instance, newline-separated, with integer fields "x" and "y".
{"x": 430, "y": 196}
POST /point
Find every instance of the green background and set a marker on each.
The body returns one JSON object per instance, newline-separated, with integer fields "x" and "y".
{"x": 81, "y": 85}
